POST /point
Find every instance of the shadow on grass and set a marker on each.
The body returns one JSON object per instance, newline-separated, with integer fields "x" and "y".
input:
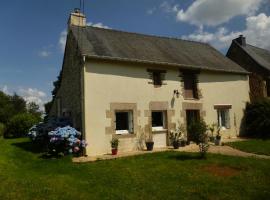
{"x": 30, "y": 147}
{"x": 185, "y": 156}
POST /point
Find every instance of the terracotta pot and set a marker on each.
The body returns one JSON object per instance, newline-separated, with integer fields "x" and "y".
{"x": 114, "y": 151}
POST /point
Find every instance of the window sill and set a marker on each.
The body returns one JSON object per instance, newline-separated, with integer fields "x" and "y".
{"x": 159, "y": 131}
{"x": 129, "y": 135}
{"x": 193, "y": 99}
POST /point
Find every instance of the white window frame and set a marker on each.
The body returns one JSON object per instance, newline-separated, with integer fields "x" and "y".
{"x": 160, "y": 128}
{"x": 130, "y": 123}
{"x": 227, "y": 124}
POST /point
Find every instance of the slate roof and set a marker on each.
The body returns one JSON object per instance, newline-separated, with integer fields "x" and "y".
{"x": 133, "y": 47}
{"x": 261, "y": 56}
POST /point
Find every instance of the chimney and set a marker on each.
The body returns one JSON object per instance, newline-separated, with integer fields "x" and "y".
{"x": 77, "y": 18}
{"x": 241, "y": 40}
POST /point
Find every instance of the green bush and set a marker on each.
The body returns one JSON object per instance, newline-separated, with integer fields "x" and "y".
{"x": 257, "y": 116}
{"x": 195, "y": 130}
{"x": 20, "y": 124}
{"x": 2, "y": 129}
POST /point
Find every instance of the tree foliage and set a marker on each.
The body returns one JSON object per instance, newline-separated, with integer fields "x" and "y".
{"x": 13, "y": 111}
{"x": 257, "y": 115}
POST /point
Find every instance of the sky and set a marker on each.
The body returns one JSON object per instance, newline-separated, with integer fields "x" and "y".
{"x": 33, "y": 32}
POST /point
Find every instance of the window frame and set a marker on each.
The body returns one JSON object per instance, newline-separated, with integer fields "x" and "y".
{"x": 130, "y": 122}
{"x": 164, "y": 120}
{"x": 224, "y": 118}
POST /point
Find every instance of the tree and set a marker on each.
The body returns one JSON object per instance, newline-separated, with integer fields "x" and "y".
{"x": 33, "y": 109}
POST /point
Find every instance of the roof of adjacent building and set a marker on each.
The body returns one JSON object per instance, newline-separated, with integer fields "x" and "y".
{"x": 124, "y": 46}
{"x": 261, "y": 56}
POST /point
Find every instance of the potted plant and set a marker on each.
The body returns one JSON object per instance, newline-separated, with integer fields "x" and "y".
{"x": 149, "y": 142}
{"x": 211, "y": 128}
{"x": 114, "y": 145}
{"x": 218, "y": 136}
{"x": 175, "y": 137}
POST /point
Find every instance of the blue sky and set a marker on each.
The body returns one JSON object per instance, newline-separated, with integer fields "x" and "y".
{"x": 31, "y": 51}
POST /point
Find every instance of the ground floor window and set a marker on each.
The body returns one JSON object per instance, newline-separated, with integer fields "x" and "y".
{"x": 124, "y": 122}
{"x": 223, "y": 118}
{"x": 158, "y": 120}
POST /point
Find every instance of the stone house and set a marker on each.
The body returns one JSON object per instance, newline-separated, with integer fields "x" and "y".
{"x": 255, "y": 60}
{"x": 124, "y": 85}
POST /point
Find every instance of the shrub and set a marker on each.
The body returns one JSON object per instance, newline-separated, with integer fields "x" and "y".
{"x": 114, "y": 143}
{"x": 19, "y": 125}
{"x": 2, "y": 129}
{"x": 66, "y": 140}
{"x": 257, "y": 115}
{"x": 195, "y": 130}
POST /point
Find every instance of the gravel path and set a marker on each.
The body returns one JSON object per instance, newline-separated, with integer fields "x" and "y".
{"x": 223, "y": 150}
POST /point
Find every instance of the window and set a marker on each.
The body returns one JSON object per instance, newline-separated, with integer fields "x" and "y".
{"x": 124, "y": 122}
{"x": 157, "y": 76}
{"x": 158, "y": 120}
{"x": 223, "y": 118}
{"x": 190, "y": 86}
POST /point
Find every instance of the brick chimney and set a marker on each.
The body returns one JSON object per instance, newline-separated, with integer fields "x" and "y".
{"x": 241, "y": 40}
{"x": 77, "y": 18}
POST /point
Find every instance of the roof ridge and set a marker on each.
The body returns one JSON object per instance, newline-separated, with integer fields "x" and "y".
{"x": 148, "y": 35}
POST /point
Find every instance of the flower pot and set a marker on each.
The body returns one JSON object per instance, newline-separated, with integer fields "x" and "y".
{"x": 149, "y": 146}
{"x": 217, "y": 142}
{"x": 176, "y": 145}
{"x": 114, "y": 151}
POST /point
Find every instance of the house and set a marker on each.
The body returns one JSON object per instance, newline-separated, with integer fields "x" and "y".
{"x": 124, "y": 85}
{"x": 256, "y": 61}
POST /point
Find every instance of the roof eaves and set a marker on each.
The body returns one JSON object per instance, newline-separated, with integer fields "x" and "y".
{"x": 184, "y": 66}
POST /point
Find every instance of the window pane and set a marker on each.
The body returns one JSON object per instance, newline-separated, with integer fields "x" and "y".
{"x": 122, "y": 122}
{"x": 157, "y": 78}
{"x": 157, "y": 119}
{"x": 190, "y": 86}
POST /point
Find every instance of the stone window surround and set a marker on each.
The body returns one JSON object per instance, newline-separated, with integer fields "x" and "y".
{"x": 110, "y": 114}
{"x": 162, "y": 74}
{"x": 159, "y": 106}
{"x": 192, "y": 106}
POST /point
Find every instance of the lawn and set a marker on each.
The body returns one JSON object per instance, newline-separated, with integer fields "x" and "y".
{"x": 252, "y": 146}
{"x": 24, "y": 174}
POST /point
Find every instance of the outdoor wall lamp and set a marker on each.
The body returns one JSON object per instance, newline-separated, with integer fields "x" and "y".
{"x": 176, "y": 92}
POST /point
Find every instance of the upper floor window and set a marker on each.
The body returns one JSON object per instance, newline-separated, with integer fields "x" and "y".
{"x": 157, "y": 76}
{"x": 190, "y": 86}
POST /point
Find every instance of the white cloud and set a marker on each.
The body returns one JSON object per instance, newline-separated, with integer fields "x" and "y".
{"x": 151, "y": 11}
{"x": 5, "y": 89}
{"x": 257, "y": 33}
{"x": 62, "y": 40}
{"x": 216, "y": 12}
{"x": 44, "y": 53}
{"x": 98, "y": 25}
{"x": 33, "y": 95}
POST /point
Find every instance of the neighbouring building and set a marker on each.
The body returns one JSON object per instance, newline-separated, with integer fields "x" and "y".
{"x": 256, "y": 61}
{"x": 121, "y": 84}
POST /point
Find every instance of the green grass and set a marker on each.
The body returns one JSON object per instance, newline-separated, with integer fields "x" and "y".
{"x": 257, "y": 146}
{"x": 168, "y": 175}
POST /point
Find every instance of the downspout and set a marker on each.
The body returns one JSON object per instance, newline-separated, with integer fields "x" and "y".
{"x": 83, "y": 102}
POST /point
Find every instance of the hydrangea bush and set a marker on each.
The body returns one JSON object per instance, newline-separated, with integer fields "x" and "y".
{"x": 57, "y": 136}
{"x": 66, "y": 140}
